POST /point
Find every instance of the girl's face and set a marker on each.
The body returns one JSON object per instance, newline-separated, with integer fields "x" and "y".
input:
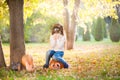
{"x": 56, "y": 30}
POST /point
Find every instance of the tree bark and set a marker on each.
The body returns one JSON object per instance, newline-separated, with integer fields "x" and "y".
{"x": 73, "y": 23}
{"x": 2, "y": 60}
{"x": 66, "y": 22}
{"x": 70, "y": 27}
{"x": 17, "y": 46}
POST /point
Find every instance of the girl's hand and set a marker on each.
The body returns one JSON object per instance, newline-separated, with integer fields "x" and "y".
{"x": 56, "y": 36}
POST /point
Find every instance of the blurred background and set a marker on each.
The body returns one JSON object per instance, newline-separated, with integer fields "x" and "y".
{"x": 96, "y": 20}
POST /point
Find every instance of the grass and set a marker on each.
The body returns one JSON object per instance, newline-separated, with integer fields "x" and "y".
{"x": 88, "y": 61}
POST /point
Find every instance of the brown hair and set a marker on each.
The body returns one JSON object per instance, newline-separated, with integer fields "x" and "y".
{"x": 57, "y": 28}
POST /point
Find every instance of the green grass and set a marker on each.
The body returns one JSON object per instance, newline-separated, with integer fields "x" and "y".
{"x": 88, "y": 61}
{"x": 105, "y": 41}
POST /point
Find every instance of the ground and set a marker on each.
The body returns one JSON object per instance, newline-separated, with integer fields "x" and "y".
{"x": 87, "y": 61}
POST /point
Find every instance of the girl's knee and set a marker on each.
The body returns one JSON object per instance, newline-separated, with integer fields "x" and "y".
{"x": 54, "y": 57}
{"x": 48, "y": 52}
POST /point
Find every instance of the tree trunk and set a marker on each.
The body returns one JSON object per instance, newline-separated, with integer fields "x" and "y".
{"x": 2, "y": 60}
{"x": 70, "y": 29}
{"x": 73, "y": 23}
{"x": 66, "y": 22}
{"x": 17, "y": 46}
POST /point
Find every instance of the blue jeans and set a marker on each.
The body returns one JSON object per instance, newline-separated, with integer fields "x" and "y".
{"x": 56, "y": 55}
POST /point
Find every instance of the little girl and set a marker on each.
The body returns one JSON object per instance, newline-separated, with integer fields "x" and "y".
{"x": 57, "y": 42}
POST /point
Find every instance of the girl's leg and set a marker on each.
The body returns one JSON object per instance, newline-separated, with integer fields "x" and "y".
{"x": 58, "y": 56}
{"x": 49, "y": 54}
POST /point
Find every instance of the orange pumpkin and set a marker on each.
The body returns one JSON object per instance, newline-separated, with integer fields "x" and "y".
{"x": 55, "y": 65}
{"x": 27, "y": 62}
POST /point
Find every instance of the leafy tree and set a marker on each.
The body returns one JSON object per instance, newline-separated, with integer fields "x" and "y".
{"x": 114, "y": 30}
{"x": 5, "y": 36}
{"x": 4, "y": 30}
{"x": 86, "y": 35}
{"x": 4, "y": 21}
{"x": 3, "y": 9}
{"x": 37, "y": 25}
{"x": 98, "y": 29}
{"x": 17, "y": 47}
{"x": 95, "y": 8}
{"x": 29, "y": 7}
{"x": 80, "y": 31}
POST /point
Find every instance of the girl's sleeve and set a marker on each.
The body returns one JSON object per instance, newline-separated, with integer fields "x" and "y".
{"x": 52, "y": 42}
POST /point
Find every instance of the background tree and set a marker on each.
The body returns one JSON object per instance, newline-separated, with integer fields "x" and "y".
{"x": 86, "y": 34}
{"x": 98, "y": 29}
{"x": 17, "y": 46}
{"x": 73, "y": 24}
{"x": 114, "y": 30}
{"x": 66, "y": 17}
{"x": 39, "y": 24}
{"x": 2, "y": 60}
{"x": 70, "y": 27}
{"x": 105, "y": 29}
{"x": 39, "y": 15}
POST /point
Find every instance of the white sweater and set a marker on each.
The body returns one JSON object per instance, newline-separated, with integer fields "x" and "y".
{"x": 57, "y": 45}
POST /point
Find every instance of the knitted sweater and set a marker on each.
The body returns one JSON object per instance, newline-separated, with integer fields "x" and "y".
{"x": 57, "y": 45}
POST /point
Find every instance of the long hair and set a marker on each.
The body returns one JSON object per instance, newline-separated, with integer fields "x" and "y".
{"x": 57, "y": 28}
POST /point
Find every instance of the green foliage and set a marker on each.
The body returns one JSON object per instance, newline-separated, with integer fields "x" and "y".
{"x": 6, "y": 74}
{"x": 86, "y": 34}
{"x": 5, "y": 34}
{"x": 4, "y": 30}
{"x": 41, "y": 14}
{"x": 105, "y": 32}
{"x": 3, "y": 9}
{"x": 4, "y": 21}
{"x": 38, "y": 23}
{"x": 38, "y": 27}
{"x": 98, "y": 29}
{"x": 114, "y": 30}
{"x": 29, "y": 7}
{"x": 80, "y": 31}
{"x": 97, "y": 8}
